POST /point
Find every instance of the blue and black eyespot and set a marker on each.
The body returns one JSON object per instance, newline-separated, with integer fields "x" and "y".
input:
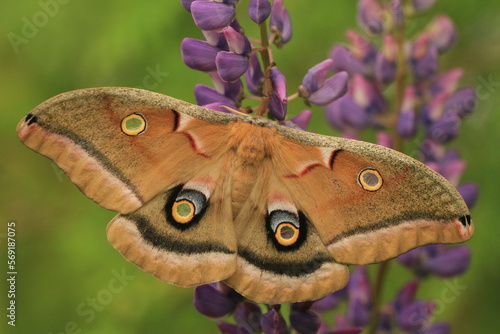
{"x": 185, "y": 207}
{"x": 286, "y": 229}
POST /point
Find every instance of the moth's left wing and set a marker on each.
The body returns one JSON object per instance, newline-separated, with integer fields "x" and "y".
{"x": 369, "y": 203}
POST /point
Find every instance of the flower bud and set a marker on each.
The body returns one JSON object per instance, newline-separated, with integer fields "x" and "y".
{"x": 230, "y": 66}
{"x": 442, "y": 32}
{"x": 462, "y": 102}
{"x": 371, "y": 16}
{"x": 385, "y": 63}
{"x": 407, "y": 126}
{"x": 272, "y": 322}
{"x": 280, "y": 23}
{"x": 302, "y": 119}
{"x": 259, "y": 10}
{"x": 447, "y": 82}
{"x": 278, "y": 99}
{"x": 452, "y": 262}
{"x": 237, "y": 43}
{"x": 198, "y": 55}
{"x": 254, "y": 76}
{"x": 211, "y": 15}
{"x": 209, "y": 301}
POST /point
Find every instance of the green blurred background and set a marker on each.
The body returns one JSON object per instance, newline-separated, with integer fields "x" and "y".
{"x": 63, "y": 258}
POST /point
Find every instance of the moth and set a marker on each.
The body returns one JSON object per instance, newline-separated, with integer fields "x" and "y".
{"x": 204, "y": 196}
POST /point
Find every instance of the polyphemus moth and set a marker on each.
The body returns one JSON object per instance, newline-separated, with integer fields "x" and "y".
{"x": 205, "y": 196}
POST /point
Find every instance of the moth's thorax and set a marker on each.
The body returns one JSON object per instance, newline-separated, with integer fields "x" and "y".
{"x": 251, "y": 145}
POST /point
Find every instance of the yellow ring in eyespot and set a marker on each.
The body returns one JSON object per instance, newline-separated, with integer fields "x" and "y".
{"x": 183, "y": 211}
{"x": 369, "y": 179}
{"x": 287, "y": 234}
{"x": 134, "y": 124}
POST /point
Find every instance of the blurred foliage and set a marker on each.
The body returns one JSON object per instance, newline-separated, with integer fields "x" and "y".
{"x": 63, "y": 258}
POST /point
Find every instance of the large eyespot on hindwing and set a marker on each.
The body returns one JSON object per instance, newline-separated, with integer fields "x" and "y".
{"x": 286, "y": 229}
{"x": 185, "y": 207}
{"x": 134, "y": 124}
{"x": 370, "y": 179}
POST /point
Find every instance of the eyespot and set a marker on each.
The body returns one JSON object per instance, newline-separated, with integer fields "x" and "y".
{"x": 183, "y": 211}
{"x": 287, "y": 234}
{"x": 370, "y": 179}
{"x": 134, "y": 124}
{"x": 187, "y": 206}
{"x": 285, "y": 226}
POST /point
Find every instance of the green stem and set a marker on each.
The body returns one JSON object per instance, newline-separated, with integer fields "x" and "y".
{"x": 377, "y": 295}
{"x": 267, "y": 88}
{"x": 400, "y": 82}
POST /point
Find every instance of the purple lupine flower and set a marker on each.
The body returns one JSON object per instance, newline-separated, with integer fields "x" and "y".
{"x": 359, "y": 297}
{"x": 237, "y": 43}
{"x": 247, "y": 316}
{"x": 212, "y": 302}
{"x": 367, "y": 95}
{"x": 371, "y": 16}
{"x": 444, "y": 129}
{"x": 199, "y": 55}
{"x": 278, "y": 99}
{"x": 273, "y": 322}
{"x": 330, "y": 301}
{"x": 280, "y": 23}
{"x": 385, "y": 63}
{"x": 442, "y": 33}
{"x": 302, "y": 119}
{"x": 424, "y": 260}
{"x": 415, "y": 315}
{"x": 259, "y": 10}
{"x": 363, "y": 50}
{"x": 469, "y": 192}
{"x": 303, "y": 320}
{"x": 345, "y": 114}
{"x": 230, "y": 66}
{"x": 227, "y": 328}
{"x": 439, "y": 328}
{"x": 421, "y": 5}
{"x": 446, "y": 82}
{"x": 407, "y": 126}
{"x": 232, "y": 90}
{"x": 254, "y": 76}
{"x": 424, "y": 58}
{"x": 211, "y": 15}
{"x": 205, "y": 95}
{"x": 344, "y": 60}
{"x": 321, "y": 91}
{"x": 462, "y": 102}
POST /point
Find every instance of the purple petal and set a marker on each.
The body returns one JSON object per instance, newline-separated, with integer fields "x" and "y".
{"x": 440, "y": 328}
{"x": 272, "y": 322}
{"x": 352, "y": 114}
{"x": 363, "y": 50}
{"x": 414, "y": 316}
{"x": 305, "y": 322}
{"x": 316, "y": 75}
{"x": 407, "y": 126}
{"x": 211, "y": 302}
{"x": 344, "y": 60}
{"x": 371, "y": 16}
{"x": 421, "y": 5}
{"x": 198, "y": 55}
{"x": 279, "y": 84}
{"x": 259, "y": 10}
{"x": 232, "y": 90}
{"x": 409, "y": 259}
{"x": 227, "y": 328}
{"x": 367, "y": 95}
{"x": 205, "y": 95}
{"x": 469, "y": 192}
{"x": 230, "y": 66}
{"x": 462, "y": 102}
{"x": 427, "y": 66}
{"x": 254, "y": 76}
{"x": 385, "y": 63}
{"x": 406, "y": 295}
{"x": 220, "y": 106}
{"x": 334, "y": 116}
{"x": 447, "y": 82}
{"x": 280, "y": 23}
{"x": 330, "y": 301}
{"x": 186, "y": 4}
{"x": 302, "y": 119}
{"x": 247, "y": 315}
{"x": 333, "y": 88}
{"x": 216, "y": 38}
{"x": 453, "y": 262}
{"x": 445, "y": 129}
{"x": 359, "y": 297}
{"x": 237, "y": 42}
{"x": 277, "y": 107}
{"x": 442, "y": 33}
{"x": 384, "y": 139}
{"x": 434, "y": 110}
{"x": 452, "y": 170}
{"x": 211, "y": 15}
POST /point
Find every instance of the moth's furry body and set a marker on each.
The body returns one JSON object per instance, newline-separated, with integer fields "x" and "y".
{"x": 205, "y": 196}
